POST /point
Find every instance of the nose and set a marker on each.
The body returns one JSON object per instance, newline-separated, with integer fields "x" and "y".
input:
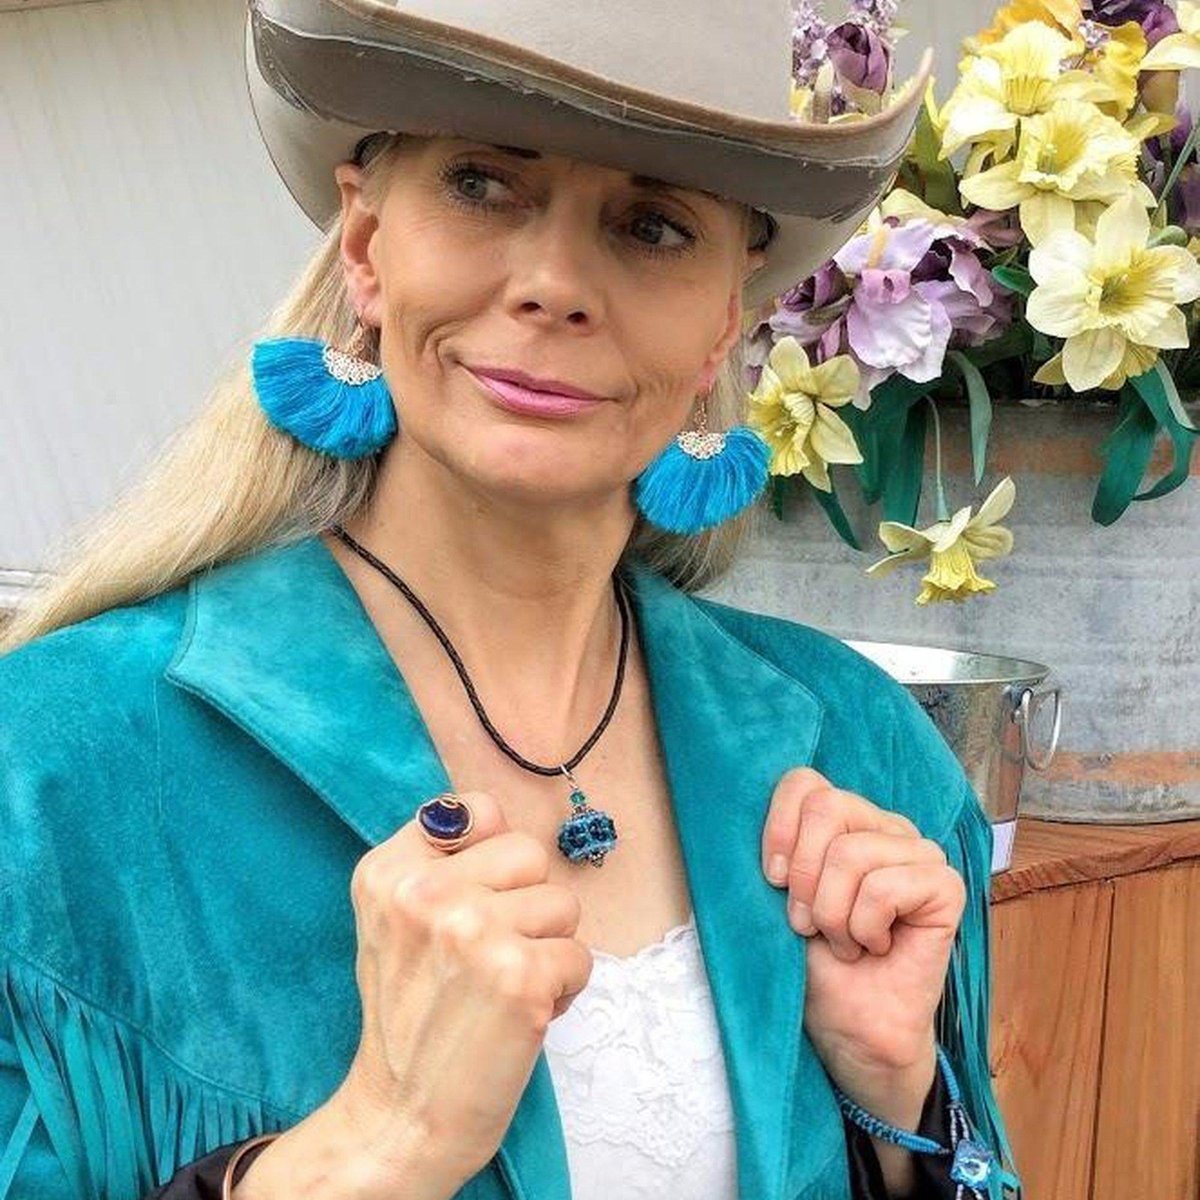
{"x": 556, "y": 273}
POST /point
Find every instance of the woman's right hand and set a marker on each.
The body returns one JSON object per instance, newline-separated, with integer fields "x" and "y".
{"x": 463, "y": 961}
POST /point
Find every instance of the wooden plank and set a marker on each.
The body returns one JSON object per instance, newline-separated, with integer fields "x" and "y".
{"x": 1049, "y": 854}
{"x": 1049, "y": 962}
{"x": 1148, "y": 1128}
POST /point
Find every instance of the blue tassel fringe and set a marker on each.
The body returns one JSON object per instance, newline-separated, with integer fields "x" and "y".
{"x": 302, "y": 398}
{"x": 682, "y": 494}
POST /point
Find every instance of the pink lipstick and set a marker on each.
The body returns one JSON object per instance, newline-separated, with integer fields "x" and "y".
{"x": 525, "y": 400}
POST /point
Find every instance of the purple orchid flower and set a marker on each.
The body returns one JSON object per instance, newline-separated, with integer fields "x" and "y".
{"x": 1156, "y": 18}
{"x": 860, "y": 56}
{"x": 895, "y": 298}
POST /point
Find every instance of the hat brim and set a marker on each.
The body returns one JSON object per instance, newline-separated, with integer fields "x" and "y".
{"x": 315, "y": 96}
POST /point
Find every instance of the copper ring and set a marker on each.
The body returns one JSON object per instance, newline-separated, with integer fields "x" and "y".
{"x": 445, "y": 821}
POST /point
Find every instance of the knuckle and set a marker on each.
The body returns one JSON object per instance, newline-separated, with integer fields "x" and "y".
{"x": 843, "y": 852}
{"x": 512, "y": 973}
{"x": 364, "y": 881}
{"x": 459, "y": 925}
{"x": 416, "y": 893}
{"x": 529, "y": 854}
{"x": 821, "y": 802}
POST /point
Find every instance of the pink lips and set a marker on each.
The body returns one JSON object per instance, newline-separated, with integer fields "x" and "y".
{"x": 525, "y": 400}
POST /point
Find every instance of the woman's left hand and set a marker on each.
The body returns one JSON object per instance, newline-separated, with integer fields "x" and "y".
{"x": 880, "y": 906}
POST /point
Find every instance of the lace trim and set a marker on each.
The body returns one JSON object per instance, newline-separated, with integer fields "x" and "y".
{"x": 638, "y": 1067}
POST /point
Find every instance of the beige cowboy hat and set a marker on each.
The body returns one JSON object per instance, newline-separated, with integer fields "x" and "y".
{"x": 692, "y": 92}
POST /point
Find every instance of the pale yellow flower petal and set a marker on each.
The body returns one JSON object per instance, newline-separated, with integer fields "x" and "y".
{"x": 1179, "y": 265}
{"x": 885, "y": 565}
{"x": 1067, "y": 251}
{"x": 996, "y": 506}
{"x": 1176, "y": 52}
{"x": 817, "y": 473}
{"x": 993, "y": 542}
{"x": 1089, "y": 356}
{"x": 1123, "y": 228}
{"x": 1171, "y": 333}
{"x": 831, "y": 439}
{"x": 789, "y": 360}
{"x": 1050, "y": 371}
{"x": 897, "y": 536}
{"x": 1044, "y": 213}
{"x": 1062, "y": 308}
{"x": 835, "y": 381}
{"x": 949, "y": 532}
{"x": 952, "y": 576}
{"x": 997, "y": 188}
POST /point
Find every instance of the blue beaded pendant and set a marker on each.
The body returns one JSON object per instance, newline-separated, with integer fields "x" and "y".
{"x": 973, "y": 1163}
{"x": 588, "y": 834}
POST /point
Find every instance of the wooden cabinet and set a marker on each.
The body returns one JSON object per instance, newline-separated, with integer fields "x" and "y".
{"x": 1095, "y": 1035}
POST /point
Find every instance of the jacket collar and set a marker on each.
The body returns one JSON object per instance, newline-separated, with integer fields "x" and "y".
{"x": 281, "y": 644}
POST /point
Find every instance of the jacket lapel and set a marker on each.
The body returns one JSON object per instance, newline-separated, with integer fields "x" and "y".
{"x": 281, "y": 644}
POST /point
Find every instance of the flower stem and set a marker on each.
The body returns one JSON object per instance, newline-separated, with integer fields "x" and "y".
{"x": 1184, "y": 154}
{"x": 943, "y": 513}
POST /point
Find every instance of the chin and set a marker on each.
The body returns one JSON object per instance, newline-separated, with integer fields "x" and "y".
{"x": 533, "y": 469}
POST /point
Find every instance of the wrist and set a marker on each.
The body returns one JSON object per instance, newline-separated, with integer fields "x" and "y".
{"x": 325, "y": 1157}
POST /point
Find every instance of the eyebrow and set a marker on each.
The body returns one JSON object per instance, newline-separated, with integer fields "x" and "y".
{"x": 645, "y": 181}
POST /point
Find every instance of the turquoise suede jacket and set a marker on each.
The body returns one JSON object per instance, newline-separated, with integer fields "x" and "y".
{"x": 187, "y": 783}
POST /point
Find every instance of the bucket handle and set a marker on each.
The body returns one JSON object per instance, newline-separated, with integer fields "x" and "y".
{"x": 1021, "y": 715}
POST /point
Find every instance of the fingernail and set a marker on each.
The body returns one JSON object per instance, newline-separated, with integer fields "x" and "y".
{"x": 777, "y": 868}
{"x": 801, "y": 914}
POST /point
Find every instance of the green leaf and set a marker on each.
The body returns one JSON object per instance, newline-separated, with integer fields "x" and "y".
{"x": 1016, "y": 279}
{"x": 833, "y": 510}
{"x": 939, "y": 186}
{"x": 1151, "y": 386}
{"x": 1174, "y": 401}
{"x": 879, "y": 430}
{"x": 981, "y": 410}
{"x": 1128, "y": 449}
{"x": 1042, "y": 348}
{"x": 1012, "y": 343}
{"x": 778, "y": 487}
{"x": 902, "y": 488}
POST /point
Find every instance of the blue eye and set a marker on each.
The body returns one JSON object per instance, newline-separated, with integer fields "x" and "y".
{"x": 454, "y": 175}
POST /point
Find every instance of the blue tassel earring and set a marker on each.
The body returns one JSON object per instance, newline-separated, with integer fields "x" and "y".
{"x": 331, "y": 400}
{"x": 702, "y": 478}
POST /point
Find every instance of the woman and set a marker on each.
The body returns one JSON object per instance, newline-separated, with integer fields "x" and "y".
{"x": 267, "y": 956}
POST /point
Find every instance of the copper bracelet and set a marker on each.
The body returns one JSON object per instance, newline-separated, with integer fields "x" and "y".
{"x": 227, "y": 1181}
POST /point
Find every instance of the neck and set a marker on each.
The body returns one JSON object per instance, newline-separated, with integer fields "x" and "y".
{"x": 522, "y": 590}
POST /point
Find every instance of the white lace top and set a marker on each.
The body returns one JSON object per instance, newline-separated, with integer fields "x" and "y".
{"x": 639, "y": 1075}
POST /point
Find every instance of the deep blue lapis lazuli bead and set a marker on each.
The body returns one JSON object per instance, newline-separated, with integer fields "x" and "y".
{"x": 444, "y": 820}
{"x": 588, "y": 834}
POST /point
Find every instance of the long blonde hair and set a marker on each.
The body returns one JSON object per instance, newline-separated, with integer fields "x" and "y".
{"x": 228, "y": 483}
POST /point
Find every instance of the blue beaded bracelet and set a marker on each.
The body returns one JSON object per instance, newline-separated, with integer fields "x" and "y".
{"x": 973, "y": 1163}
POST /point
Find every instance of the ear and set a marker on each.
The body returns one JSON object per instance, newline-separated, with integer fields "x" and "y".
{"x": 729, "y": 334}
{"x": 359, "y": 223}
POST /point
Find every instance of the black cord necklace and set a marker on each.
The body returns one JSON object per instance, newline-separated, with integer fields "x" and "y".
{"x": 589, "y": 833}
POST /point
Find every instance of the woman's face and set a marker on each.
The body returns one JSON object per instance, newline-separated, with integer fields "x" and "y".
{"x": 478, "y": 257}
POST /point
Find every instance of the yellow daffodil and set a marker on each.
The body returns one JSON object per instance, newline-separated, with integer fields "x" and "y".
{"x": 953, "y": 547}
{"x": 1113, "y": 299}
{"x": 1021, "y": 75}
{"x": 1063, "y": 15}
{"x": 1075, "y": 152}
{"x": 1178, "y": 51}
{"x": 792, "y": 407}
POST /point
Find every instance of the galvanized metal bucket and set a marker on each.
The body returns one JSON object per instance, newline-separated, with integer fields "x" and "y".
{"x": 985, "y": 706}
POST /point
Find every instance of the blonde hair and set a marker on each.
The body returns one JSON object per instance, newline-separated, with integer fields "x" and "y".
{"x": 228, "y": 483}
